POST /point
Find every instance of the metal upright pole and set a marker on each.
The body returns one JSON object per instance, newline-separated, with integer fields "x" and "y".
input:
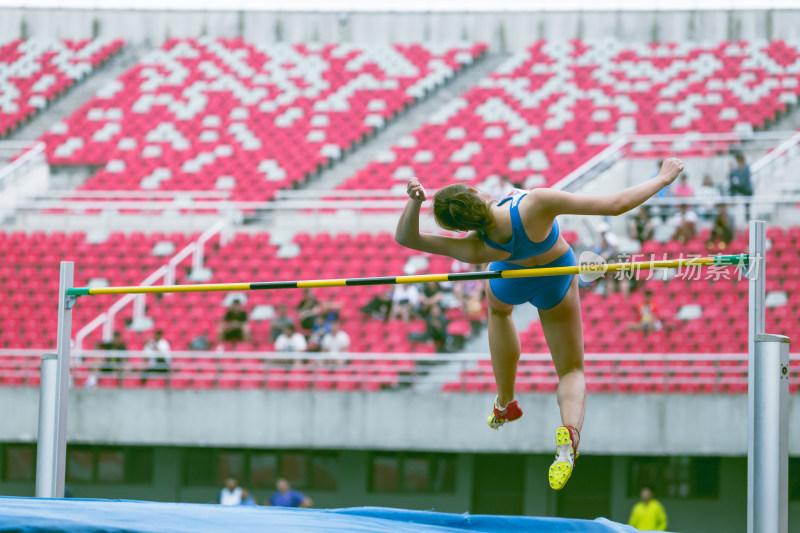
{"x": 757, "y": 294}
{"x": 771, "y": 432}
{"x": 52, "y": 442}
{"x": 47, "y": 423}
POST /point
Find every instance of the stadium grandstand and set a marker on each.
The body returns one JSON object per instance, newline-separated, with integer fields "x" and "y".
{"x": 255, "y": 142}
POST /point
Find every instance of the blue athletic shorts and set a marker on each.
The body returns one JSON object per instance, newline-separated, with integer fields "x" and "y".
{"x": 544, "y": 293}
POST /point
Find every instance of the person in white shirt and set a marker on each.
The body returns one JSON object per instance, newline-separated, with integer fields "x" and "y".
{"x": 711, "y": 193}
{"x": 290, "y": 341}
{"x": 405, "y": 299}
{"x": 231, "y": 493}
{"x": 157, "y": 351}
{"x": 336, "y": 340}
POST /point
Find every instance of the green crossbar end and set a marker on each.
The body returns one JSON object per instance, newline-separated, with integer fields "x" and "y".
{"x": 737, "y": 260}
{"x": 78, "y": 291}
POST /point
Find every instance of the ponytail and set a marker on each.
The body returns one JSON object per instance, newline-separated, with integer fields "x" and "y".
{"x": 459, "y": 208}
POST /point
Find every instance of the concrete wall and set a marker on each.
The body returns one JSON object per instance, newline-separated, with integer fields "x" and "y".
{"x": 506, "y": 31}
{"x": 615, "y": 424}
{"x": 722, "y": 514}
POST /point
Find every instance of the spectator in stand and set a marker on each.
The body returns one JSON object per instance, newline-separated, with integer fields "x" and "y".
{"x": 231, "y": 493}
{"x": 431, "y": 296}
{"x": 722, "y": 232}
{"x": 280, "y": 321}
{"x": 157, "y": 351}
{"x": 287, "y": 497}
{"x": 307, "y": 309}
{"x": 405, "y": 301}
{"x": 331, "y": 311}
{"x": 247, "y": 498}
{"x": 641, "y": 227}
{"x": 710, "y": 193}
{"x": 319, "y": 330}
{"x": 740, "y": 183}
{"x": 498, "y": 188}
{"x": 607, "y": 245}
{"x": 290, "y": 341}
{"x": 234, "y": 326}
{"x": 336, "y": 340}
{"x": 682, "y": 189}
{"x": 470, "y": 294}
{"x": 436, "y": 328}
{"x": 685, "y": 223}
{"x": 116, "y": 344}
{"x": 648, "y": 514}
{"x": 379, "y": 306}
{"x": 648, "y": 321}
{"x": 200, "y": 343}
{"x": 739, "y": 176}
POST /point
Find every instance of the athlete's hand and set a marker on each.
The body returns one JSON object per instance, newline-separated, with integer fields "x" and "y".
{"x": 416, "y": 191}
{"x": 671, "y": 169}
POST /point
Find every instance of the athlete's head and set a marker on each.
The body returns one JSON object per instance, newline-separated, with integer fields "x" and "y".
{"x": 460, "y": 208}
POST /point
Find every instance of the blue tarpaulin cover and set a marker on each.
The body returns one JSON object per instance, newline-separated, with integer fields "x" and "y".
{"x": 81, "y": 516}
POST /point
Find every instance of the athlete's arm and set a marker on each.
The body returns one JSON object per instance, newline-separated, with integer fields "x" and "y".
{"x": 469, "y": 249}
{"x": 550, "y": 202}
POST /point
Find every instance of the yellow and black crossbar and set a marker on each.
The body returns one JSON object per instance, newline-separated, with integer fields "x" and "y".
{"x": 720, "y": 260}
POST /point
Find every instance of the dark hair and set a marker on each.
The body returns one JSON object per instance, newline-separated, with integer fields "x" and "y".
{"x": 459, "y": 208}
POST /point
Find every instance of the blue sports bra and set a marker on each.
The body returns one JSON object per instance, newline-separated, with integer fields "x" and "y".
{"x": 520, "y": 246}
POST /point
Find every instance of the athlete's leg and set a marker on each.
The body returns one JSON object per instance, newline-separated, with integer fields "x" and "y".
{"x": 564, "y": 333}
{"x": 503, "y": 345}
{"x": 563, "y": 330}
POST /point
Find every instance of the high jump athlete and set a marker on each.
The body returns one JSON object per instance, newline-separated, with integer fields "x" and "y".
{"x": 521, "y": 231}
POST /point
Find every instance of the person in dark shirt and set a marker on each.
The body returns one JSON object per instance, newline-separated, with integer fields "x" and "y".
{"x": 740, "y": 177}
{"x": 116, "y": 344}
{"x": 436, "y": 328}
{"x": 430, "y": 297}
{"x": 722, "y": 232}
{"x": 280, "y": 321}
{"x": 379, "y": 306}
{"x": 740, "y": 181}
{"x": 641, "y": 227}
{"x": 287, "y": 497}
{"x": 234, "y": 323}
{"x": 308, "y": 308}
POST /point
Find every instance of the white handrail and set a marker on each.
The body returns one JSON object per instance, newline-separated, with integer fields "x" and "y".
{"x": 134, "y": 194}
{"x": 219, "y": 206}
{"x": 293, "y": 194}
{"x": 88, "y": 328}
{"x": 610, "y": 155}
{"x": 786, "y": 148}
{"x": 198, "y": 259}
{"x": 165, "y": 272}
{"x": 32, "y": 156}
{"x": 169, "y": 277}
{"x": 579, "y": 173}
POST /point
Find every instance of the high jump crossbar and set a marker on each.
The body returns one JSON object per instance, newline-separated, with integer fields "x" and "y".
{"x": 721, "y": 260}
{"x": 768, "y": 370}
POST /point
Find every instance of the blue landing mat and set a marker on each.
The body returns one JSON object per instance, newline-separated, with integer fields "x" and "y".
{"x": 116, "y": 516}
